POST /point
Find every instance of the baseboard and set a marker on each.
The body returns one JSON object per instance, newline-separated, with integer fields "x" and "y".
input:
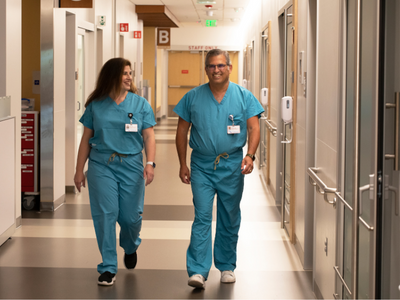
{"x": 317, "y": 291}
{"x": 52, "y": 206}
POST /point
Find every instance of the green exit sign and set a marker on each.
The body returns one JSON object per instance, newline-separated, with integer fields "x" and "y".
{"x": 211, "y": 23}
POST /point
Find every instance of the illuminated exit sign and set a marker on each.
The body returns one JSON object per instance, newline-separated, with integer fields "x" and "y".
{"x": 211, "y": 23}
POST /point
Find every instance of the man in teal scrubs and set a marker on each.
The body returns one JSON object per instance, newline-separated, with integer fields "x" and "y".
{"x": 221, "y": 115}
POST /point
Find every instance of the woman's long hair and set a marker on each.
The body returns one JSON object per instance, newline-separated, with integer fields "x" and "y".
{"x": 110, "y": 80}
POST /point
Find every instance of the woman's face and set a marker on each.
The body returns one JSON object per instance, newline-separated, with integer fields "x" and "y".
{"x": 127, "y": 79}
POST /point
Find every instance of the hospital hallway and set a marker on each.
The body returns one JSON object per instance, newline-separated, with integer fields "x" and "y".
{"x": 54, "y": 255}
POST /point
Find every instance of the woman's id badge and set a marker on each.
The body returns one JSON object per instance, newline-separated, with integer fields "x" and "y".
{"x": 131, "y": 128}
{"x": 233, "y": 129}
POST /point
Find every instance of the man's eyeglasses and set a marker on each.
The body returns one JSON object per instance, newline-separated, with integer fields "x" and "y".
{"x": 219, "y": 66}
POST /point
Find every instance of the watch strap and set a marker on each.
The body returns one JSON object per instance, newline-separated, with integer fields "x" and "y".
{"x": 151, "y": 163}
{"x": 251, "y": 156}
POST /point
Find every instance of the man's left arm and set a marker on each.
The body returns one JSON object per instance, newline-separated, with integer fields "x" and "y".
{"x": 253, "y": 131}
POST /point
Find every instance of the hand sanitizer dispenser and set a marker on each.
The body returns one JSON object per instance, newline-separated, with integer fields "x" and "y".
{"x": 245, "y": 83}
{"x": 264, "y": 96}
{"x": 287, "y": 109}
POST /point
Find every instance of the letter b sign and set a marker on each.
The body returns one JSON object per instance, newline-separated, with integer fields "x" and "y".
{"x": 164, "y": 37}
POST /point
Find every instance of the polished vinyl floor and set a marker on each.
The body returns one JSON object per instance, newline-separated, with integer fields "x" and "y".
{"x": 53, "y": 255}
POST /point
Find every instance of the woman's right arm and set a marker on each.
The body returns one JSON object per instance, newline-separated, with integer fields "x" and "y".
{"x": 83, "y": 154}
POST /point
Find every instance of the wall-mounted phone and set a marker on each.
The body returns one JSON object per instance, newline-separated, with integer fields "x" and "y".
{"x": 264, "y": 96}
{"x": 287, "y": 109}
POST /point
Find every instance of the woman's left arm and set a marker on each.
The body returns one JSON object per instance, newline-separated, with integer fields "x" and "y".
{"x": 149, "y": 141}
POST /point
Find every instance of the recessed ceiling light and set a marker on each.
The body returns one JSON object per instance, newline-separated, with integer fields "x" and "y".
{"x": 209, "y": 13}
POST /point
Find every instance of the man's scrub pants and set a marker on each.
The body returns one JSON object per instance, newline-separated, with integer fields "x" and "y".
{"x": 116, "y": 192}
{"x": 227, "y": 182}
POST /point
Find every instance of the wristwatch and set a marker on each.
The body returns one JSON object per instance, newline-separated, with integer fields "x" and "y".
{"x": 151, "y": 163}
{"x": 251, "y": 156}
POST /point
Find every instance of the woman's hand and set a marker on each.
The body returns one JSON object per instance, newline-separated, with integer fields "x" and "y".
{"x": 79, "y": 180}
{"x": 148, "y": 174}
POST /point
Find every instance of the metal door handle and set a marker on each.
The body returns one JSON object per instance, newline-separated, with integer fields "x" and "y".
{"x": 396, "y": 106}
{"x": 286, "y": 141}
{"x": 368, "y": 187}
{"x": 360, "y": 191}
{"x": 79, "y": 106}
{"x": 394, "y": 190}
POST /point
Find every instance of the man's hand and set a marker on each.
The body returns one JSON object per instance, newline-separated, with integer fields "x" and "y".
{"x": 247, "y": 165}
{"x": 184, "y": 174}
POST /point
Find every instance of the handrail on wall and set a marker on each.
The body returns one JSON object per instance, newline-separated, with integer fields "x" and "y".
{"x": 323, "y": 189}
{"x": 270, "y": 127}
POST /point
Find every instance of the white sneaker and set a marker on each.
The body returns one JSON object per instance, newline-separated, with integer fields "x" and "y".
{"x": 197, "y": 281}
{"x": 228, "y": 277}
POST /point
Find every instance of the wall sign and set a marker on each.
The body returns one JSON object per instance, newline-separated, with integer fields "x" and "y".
{"x": 185, "y": 71}
{"x": 137, "y": 34}
{"x": 202, "y": 47}
{"x": 123, "y": 27}
{"x": 164, "y": 37}
{"x": 102, "y": 20}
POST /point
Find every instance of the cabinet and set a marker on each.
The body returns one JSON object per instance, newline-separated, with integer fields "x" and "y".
{"x": 29, "y": 158}
{"x": 7, "y": 178}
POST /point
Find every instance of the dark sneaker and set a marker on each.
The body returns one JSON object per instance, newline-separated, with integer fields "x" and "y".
{"x": 106, "y": 278}
{"x": 130, "y": 260}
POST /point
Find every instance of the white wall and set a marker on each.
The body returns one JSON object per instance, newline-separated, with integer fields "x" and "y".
{"x": 122, "y": 12}
{"x": 222, "y": 37}
{"x": 259, "y": 13}
{"x": 326, "y": 130}
{"x": 125, "y": 13}
{"x": 59, "y": 103}
{"x": 10, "y": 75}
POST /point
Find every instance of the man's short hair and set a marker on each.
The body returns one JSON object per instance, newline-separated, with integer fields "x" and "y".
{"x": 216, "y": 52}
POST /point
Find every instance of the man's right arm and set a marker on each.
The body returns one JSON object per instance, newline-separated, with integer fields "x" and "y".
{"x": 181, "y": 147}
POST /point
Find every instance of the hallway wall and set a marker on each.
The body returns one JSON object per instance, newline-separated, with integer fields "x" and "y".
{"x": 10, "y": 77}
{"x": 327, "y": 61}
{"x": 109, "y": 47}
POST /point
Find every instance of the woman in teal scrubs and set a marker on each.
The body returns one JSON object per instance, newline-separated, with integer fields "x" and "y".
{"x": 117, "y": 124}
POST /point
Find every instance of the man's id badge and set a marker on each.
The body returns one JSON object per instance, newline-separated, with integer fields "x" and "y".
{"x": 233, "y": 129}
{"x": 131, "y": 128}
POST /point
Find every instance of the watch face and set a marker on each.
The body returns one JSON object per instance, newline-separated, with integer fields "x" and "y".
{"x": 154, "y": 165}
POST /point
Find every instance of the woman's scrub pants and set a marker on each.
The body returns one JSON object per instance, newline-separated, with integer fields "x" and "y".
{"x": 116, "y": 192}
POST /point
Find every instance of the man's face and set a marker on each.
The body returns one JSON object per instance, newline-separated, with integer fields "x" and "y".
{"x": 217, "y": 70}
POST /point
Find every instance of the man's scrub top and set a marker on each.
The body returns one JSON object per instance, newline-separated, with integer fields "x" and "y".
{"x": 108, "y": 121}
{"x": 210, "y": 119}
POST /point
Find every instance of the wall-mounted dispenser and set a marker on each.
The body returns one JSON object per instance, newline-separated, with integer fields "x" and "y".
{"x": 244, "y": 84}
{"x": 264, "y": 96}
{"x": 287, "y": 109}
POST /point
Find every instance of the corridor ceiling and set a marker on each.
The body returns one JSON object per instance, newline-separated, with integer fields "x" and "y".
{"x": 192, "y": 13}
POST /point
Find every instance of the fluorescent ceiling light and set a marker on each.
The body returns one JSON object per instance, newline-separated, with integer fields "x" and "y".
{"x": 206, "y": 2}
